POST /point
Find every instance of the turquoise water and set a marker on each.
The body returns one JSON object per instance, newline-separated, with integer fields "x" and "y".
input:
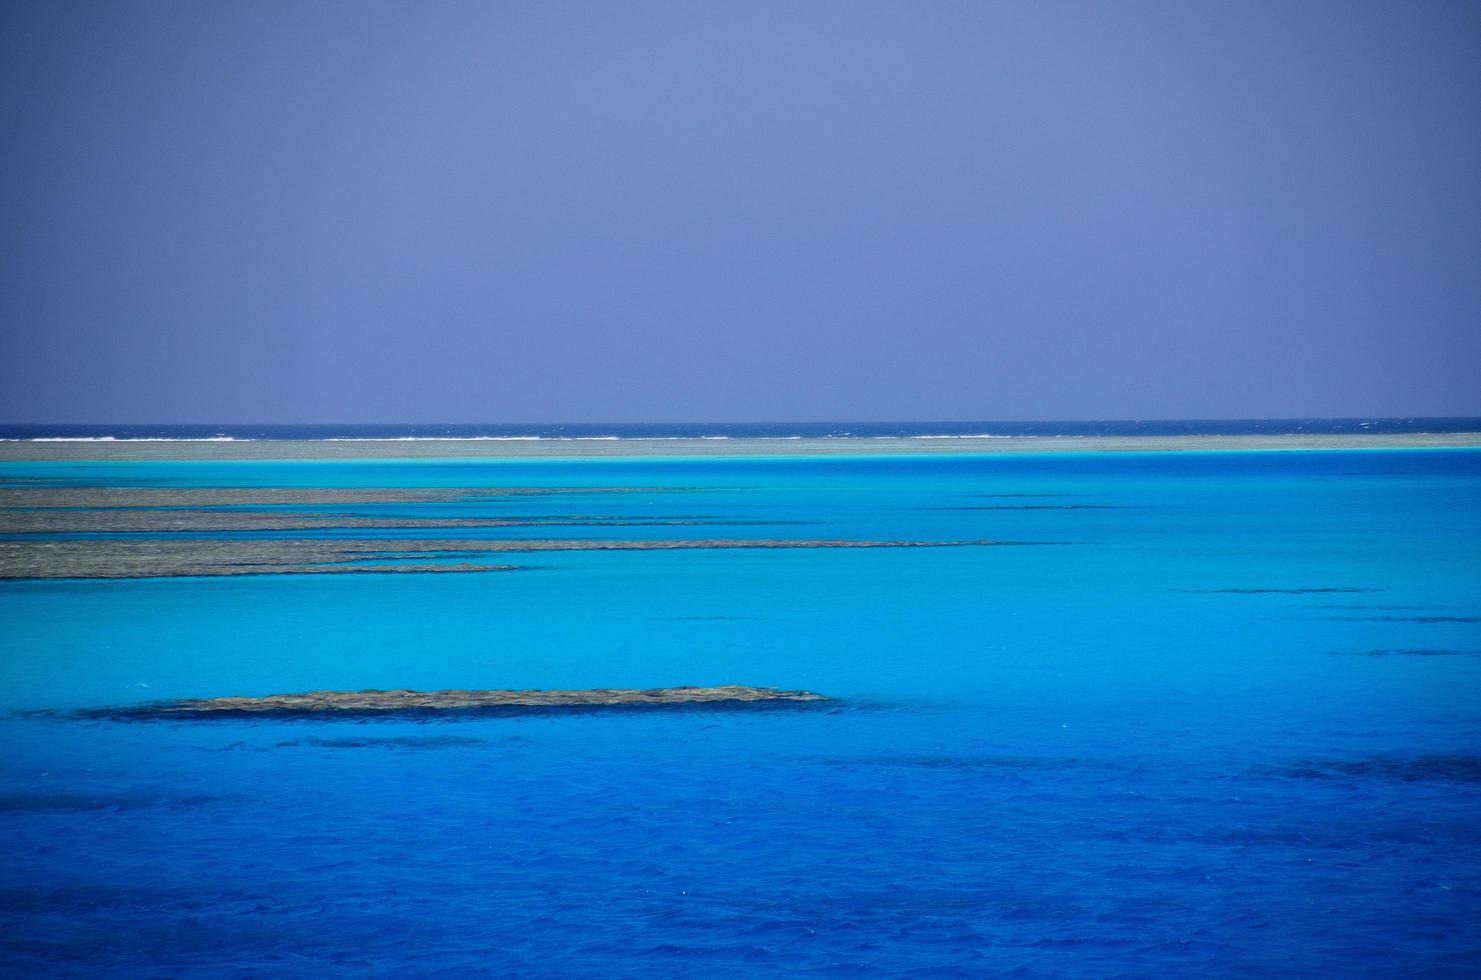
{"x": 1135, "y": 743}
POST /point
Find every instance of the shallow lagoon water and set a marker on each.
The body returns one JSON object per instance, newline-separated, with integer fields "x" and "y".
{"x": 1140, "y": 742}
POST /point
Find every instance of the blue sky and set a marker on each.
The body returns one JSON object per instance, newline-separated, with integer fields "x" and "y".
{"x": 361, "y": 211}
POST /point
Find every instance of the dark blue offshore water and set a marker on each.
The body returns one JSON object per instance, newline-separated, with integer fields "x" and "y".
{"x": 742, "y": 430}
{"x": 1224, "y": 719}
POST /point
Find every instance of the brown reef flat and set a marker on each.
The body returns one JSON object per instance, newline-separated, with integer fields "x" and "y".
{"x": 61, "y": 531}
{"x": 115, "y": 558}
{"x": 51, "y": 510}
{"x": 320, "y": 703}
{"x": 121, "y": 520}
{"x": 51, "y": 496}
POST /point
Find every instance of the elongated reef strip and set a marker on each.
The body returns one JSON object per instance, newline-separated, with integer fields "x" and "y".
{"x": 373, "y": 702}
{"x": 115, "y": 558}
{"x": 50, "y": 494}
{"x": 118, "y": 520}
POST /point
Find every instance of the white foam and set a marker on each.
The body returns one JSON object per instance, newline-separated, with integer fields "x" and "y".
{"x": 131, "y": 439}
{"x": 421, "y": 439}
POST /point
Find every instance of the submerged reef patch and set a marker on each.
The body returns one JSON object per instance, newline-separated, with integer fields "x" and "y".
{"x": 51, "y": 802}
{"x": 1407, "y": 653}
{"x": 964, "y": 762}
{"x": 1353, "y": 606}
{"x": 1408, "y": 619}
{"x": 1447, "y": 768}
{"x": 1271, "y": 591}
{"x": 1041, "y": 507}
{"x": 373, "y": 703}
{"x": 401, "y": 742}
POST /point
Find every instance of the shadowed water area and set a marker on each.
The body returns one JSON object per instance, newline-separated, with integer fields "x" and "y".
{"x": 1216, "y": 714}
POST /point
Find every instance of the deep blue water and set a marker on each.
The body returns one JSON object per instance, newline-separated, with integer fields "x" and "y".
{"x": 741, "y": 430}
{"x": 1150, "y": 746}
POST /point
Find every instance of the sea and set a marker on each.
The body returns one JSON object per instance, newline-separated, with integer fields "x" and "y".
{"x": 1196, "y": 714}
{"x": 737, "y": 430}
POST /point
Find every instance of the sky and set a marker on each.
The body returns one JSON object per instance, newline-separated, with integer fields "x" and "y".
{"x": 290, "y": 211}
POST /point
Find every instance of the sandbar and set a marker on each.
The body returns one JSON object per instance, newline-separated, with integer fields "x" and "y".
{"x": 76, "y": 451}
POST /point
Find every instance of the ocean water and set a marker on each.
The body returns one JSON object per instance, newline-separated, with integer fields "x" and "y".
{"x": 1212, "y": 714}
{"x": 740, "y": 430}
